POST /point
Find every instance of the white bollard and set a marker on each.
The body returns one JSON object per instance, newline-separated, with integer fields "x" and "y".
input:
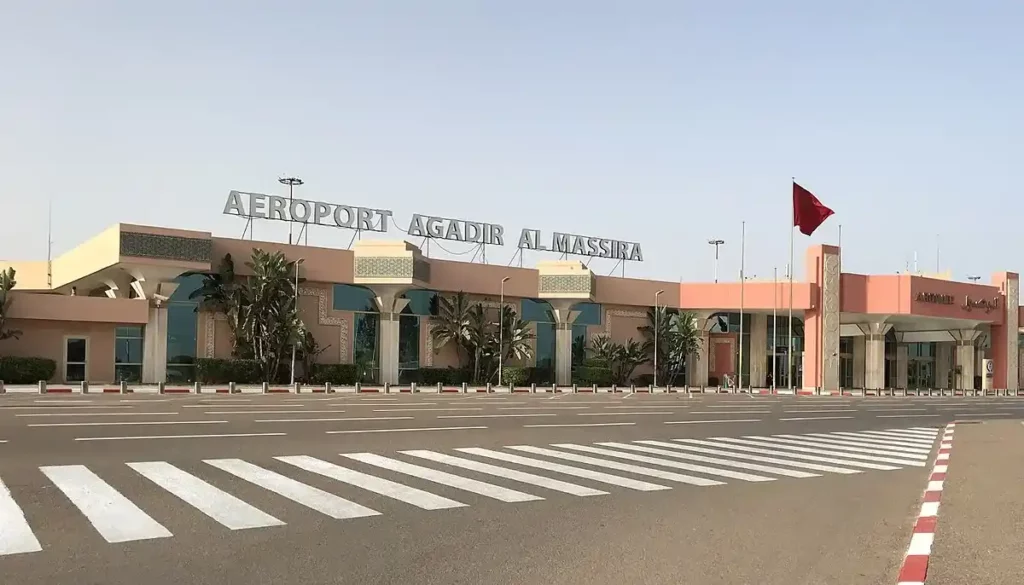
{"x": 232, "y": 388}
{"x": 266, "y": 388}
{"x": 197, "y": 388}
{"x": 297, "y": 388}
{"x": 84, "y": 388}
{"x": 161, "y": 387}
{"x": 124, "y": 387}
{"x": 440, "y": 387}
{"x": 42, "y": 386}
{"x": 328, "y": 389}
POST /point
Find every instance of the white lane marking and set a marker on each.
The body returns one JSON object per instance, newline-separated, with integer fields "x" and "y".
{"x": 735, "y": 455}
{"x": 918, "y": 430}
{"x": 886, "y": 439}
{"x": 702, "y": 422}
{"x": 732, "y": 412}
{"x": 444, "y": 478}
{"x": 122, "y": 413}
{"x": 16, "y": 535}
{"x": 349, "y": 419}
{"x": 639, "y": 406}
{"x": 817, "y": 418}
{"x": 426, "y": 409}
{"x": 902, "y": 437}
{"x": 566, "y": 469}
{"x": 896, "y": 409}
{"x": 636, "y": 469}
{"x": 114, "y": 516}
{"x": 782, "y": 445}
{"x": 542, "y": 408}
{"x": 233, "y": 406}
{"x": 984, "y": 414}
{"x": 862, "y": 441}
{"x": 520, "y": 476}
{"x": 638, "y": 413}
{"x": 143, "y": 437}
{"x": 5, "y": 440}
{"x": 715, "y": 460}
{"x": 223, "y": 507}
{"x": 611, "y": 424}
{"x": 309, "y": 496}
{"x": 65, "y": 408}
{"x": 819, "y": 411}
{"x": 357, "y": 431}
{"x": 55, "y": 401}
{"x": 666, "y": 463}
{"x": 929, "y": 509}
{"x": 377, "y": 485}
{"x": 727, "y": 406}
{"x": 753, "y": 447}
{"x": 527, "y": 415}
{"x": 125, "y": 423}
{"x": 263, "y": 412}
{"x": 140, "y": 400}
{"x": 837, "y": 442}
{"x": 905, "y": 415}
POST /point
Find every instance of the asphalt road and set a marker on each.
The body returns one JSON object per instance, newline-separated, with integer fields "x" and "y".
{"x": 442, "y": 489}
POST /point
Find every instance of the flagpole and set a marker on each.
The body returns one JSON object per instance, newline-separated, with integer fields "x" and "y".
{"x": 775, "y": 323}
{"x": 789, "y": 341}
{"x": 743, "y": 280}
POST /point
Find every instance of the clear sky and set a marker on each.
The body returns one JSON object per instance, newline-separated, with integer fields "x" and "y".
{"x": 666, "y": 123}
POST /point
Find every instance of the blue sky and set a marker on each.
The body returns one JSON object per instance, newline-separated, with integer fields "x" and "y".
{"x": 666, "y": 123}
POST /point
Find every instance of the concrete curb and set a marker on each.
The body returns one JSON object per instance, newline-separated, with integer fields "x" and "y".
{"x": 914, "y": 570}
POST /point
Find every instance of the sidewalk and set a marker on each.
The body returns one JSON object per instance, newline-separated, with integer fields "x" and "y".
{"x": 980, "y": 532}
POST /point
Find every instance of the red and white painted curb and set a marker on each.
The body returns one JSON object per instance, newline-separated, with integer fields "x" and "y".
{"x": 915, "y": 563}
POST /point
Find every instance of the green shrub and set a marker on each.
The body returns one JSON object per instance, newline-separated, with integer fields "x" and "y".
{"x": 540, "y": 376}
{"x": 444, "y": 376}
{"x": 337, "y": 374}
{"x": 222, "y": 371}
{"x": 589, "y": 375}
{"x": 26, "y": 370}
{"x": 514, "y": 375}
{"x": 644, "y": 380}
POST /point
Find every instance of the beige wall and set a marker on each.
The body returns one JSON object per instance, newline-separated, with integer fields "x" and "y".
{"x": 46, "y": 339}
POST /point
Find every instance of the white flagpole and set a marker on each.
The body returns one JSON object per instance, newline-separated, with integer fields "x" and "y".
{"x": 789, "y": 341}
{"x": 775, "y": 321}
{"x": 743, "y": 280}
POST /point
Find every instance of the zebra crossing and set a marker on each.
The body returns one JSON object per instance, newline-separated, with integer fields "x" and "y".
{"x": 514, "y": 474}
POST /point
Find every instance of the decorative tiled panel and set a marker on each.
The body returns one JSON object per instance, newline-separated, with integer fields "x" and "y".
{"x": 1012, "y": 332}
{"x": 166, "y": 247}
{"x": 830, "y": 323}
{"x": 384, "y": 267}
{"x": 560, "y": 284}
{"x": 421, "y": 270}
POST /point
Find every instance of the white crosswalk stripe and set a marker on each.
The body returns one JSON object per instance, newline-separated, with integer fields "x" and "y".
{"x": 444, "y": 478}
{"x": 309, "y": 496}
{"x": 566, "y": 470}
{"x": 219, "y": 505}
{"x": 384, "y": 487}
{"x": 520, "y": 476}
{"x": 116, "y": 518}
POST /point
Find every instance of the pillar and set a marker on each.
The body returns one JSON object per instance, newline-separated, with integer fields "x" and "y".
{"x": 390, "y": 305}
{"x": 154, "y": 346}
{"x": 964, "y": 357}
{"x": 902, "y": 364}
{"x": 564, "y": 318}
{"x": 1005, "y": 337}
{"x": 874, "y": 354}
{"x": 758, "y": 350}
{"x": 821, "y": 321}
{"x": 697, "y": 366}
{"x": 943, "y": 363}
{"x": 859, "y": 355}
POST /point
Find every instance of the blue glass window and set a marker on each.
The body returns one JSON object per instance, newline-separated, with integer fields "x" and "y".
{"x": 546, "y": 350}
{"x": 536, "y": 311}
{"x": 421, "y": 302}
{"x": 364, "y": 346}
{"x": 348, "y": 297}
{"x": 590, "y": 314}
{"x": 128, "y": 354}
{"x": 579, "y": 343}
{"x": 183, "y": 330}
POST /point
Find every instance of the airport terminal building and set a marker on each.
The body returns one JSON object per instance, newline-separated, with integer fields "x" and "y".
{"x": 118, "y": 307}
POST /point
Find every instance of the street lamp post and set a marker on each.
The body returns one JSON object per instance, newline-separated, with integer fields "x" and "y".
{"x": 292, "y": 182}
{"x": 716, "y": 243}
{"x": 974, "y": 279}
{"x": 657, "y": 326}
{"x": 501, "y": 328}
{"x": 296, "y": 342}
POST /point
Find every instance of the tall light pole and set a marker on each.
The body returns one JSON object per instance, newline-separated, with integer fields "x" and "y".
{"x": 716, "y": 244}
{"x": 296, "y": 342}
{"x": 974, "y": 279}
{"x": 292, "y": 182}
{"x": 501, "y": 328}
{"x": 657, "y": 326}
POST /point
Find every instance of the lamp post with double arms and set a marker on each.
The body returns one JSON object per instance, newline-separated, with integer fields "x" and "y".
{"x": 501, "y": 328}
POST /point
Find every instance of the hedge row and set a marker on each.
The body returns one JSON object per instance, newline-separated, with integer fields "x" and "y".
{"x": 26, "y": 370}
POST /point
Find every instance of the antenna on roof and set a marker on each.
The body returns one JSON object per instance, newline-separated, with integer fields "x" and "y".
{"x": 49, "y": 243}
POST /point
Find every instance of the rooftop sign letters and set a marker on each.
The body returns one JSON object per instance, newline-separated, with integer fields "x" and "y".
{"x": 275, "y": 207}
{"x": 987, "y": 305}
{"x": 935, "y": 298}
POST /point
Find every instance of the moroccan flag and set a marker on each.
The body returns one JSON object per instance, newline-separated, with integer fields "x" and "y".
{"x": 808, "y": 212}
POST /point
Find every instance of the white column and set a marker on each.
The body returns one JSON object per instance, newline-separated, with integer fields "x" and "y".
{"x": 964, "y": 357}
{"x": 902, "y": 363}
{"x": 154, "y": 347}
{"x": 943, "y": 363}
{"x": 697, "y": 365}
{"x": 874, "y": 354}
{"x": 564, "y": 318}
{"x": 758, "y": 350}
{"x": 859, "y": 360}
{"x": 390, "y": 307}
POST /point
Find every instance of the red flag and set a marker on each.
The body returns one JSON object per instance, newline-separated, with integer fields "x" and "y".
{"x": 808, "y": 212}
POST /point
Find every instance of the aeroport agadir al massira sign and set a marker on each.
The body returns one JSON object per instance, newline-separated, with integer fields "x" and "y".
{"x": 276, "y": 207}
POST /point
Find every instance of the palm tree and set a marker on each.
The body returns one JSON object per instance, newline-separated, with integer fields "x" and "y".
{"x": 451, "y": 324}
{"x": 513, "y": 337}
{"x": 660, "y": 320}
{"x": 678, "y": 339}
{"x": 223, "y": 292}
{"x": 7, "y": 284}
{"x": 271, "y": 321}
{"x": 628, "y": 356}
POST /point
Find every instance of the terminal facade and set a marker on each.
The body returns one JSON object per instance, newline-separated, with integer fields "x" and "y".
{"x": 117, "y": 307}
